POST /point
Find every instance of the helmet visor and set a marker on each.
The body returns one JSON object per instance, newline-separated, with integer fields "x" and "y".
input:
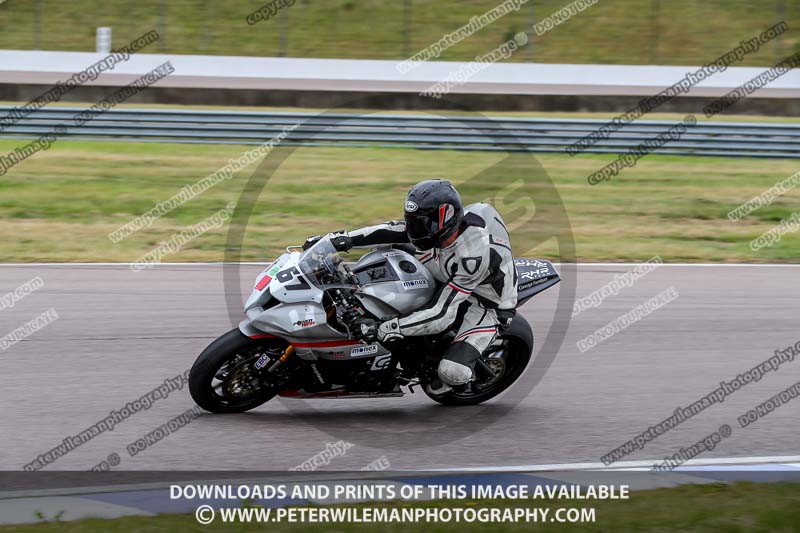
{"x": 421, "y": 226}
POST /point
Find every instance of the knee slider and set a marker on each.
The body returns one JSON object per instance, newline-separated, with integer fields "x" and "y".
{"x": 454, "y": 373}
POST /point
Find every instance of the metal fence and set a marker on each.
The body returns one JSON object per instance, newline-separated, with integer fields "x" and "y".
{"x": 730, "y": 139}
{"x": 674, "y": 32}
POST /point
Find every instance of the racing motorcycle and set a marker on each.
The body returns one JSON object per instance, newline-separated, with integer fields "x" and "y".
{"x": 296, "y": 340}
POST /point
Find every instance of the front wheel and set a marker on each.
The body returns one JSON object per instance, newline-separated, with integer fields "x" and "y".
{"x": 506, "y": 360}
{"x": 224, "y": 378}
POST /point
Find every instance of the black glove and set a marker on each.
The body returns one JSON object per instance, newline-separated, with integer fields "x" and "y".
{"x": 369, "y": 330}
{"x": 365, "y": 329}
{"x": 340, "y": 241}
{"x": 311, "y": 241}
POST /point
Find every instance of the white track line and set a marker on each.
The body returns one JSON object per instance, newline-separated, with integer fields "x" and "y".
{"x": 621, "y": 465}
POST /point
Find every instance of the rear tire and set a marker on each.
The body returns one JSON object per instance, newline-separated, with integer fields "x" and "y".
{"x": 519, "y": 345}
{"x": 205, "y": 369}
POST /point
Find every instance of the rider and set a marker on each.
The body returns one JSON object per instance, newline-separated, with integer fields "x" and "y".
{"x": 468, "y": 250}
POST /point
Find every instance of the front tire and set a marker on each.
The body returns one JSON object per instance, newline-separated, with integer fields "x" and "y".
{"x": 237, "y": 351}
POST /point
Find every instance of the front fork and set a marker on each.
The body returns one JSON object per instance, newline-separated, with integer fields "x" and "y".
{"x": 252, "y": 332}
{"x": 287, "y": 354}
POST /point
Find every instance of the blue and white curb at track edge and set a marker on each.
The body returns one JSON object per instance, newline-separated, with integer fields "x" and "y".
{"x": 154, "y": 498}
{"x": 741, "y": 463}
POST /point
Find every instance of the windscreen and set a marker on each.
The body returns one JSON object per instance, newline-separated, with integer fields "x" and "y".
{"x": 323, "y": 266}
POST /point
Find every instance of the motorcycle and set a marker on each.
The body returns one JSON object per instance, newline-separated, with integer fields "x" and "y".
{"x": 296, "y": 340}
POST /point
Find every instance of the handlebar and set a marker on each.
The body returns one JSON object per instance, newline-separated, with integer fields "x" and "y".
{"x": 351, "y": 278}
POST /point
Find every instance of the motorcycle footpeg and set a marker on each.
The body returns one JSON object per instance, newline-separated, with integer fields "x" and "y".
{"x": 463, "y": 390}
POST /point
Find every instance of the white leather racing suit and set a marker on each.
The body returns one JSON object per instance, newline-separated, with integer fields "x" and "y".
{"x": 478, "y": 285}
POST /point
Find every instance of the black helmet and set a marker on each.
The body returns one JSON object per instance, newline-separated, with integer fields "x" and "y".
{"x": 433, "y": 212}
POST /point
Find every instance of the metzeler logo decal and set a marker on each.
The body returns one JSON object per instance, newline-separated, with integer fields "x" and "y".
{"x": 415, "y": 284}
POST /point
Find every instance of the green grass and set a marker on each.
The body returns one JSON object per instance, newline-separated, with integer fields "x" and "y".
{"x": 681, "y": 32}
{"x": 740, "y": 507}
{"x": 60, "y": 205}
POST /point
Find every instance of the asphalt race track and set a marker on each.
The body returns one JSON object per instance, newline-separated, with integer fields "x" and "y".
{"x": 120, "y": 334}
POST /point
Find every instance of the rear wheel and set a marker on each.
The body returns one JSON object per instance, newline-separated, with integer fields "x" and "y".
{"x": 224, "y": 378}
{"x": 505, "y": 362}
